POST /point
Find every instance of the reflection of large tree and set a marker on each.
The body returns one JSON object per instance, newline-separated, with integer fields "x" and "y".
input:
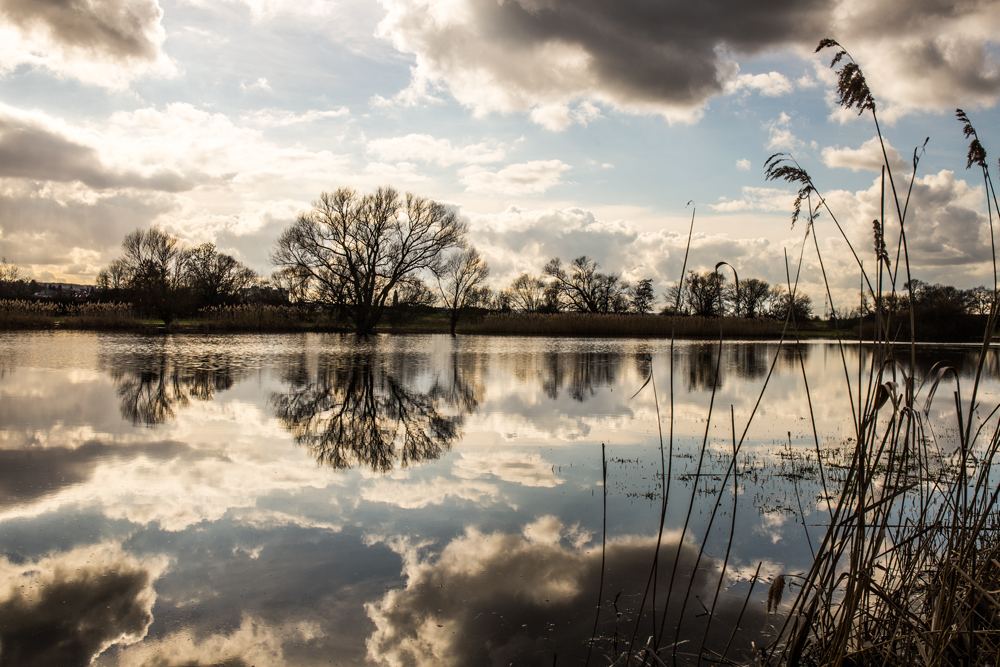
{"x": 363, "y": 410}
{"x": 152, "y": 387}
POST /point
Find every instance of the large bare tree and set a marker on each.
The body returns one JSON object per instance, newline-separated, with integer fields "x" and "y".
{"x": 356, "y": 248}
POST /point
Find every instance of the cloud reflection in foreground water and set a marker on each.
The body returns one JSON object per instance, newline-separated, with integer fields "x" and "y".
{"x": 508, "y": 598}
{"x": 65, "y": 609}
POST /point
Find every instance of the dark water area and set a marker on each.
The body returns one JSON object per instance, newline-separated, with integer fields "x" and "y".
{"x": 412, "y": 500}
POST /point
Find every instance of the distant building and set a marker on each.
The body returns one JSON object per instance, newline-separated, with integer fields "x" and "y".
{"x": 63, "y": 291}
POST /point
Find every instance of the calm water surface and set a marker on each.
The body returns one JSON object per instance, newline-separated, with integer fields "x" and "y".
{"x": 419, "y": 500}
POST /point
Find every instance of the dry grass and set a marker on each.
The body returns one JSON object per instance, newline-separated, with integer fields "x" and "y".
{"x": 908, "y": 571}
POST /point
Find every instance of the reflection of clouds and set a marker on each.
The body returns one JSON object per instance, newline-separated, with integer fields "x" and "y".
{"x": 65, "y": 609}
{"x": 230, "y": 458}
{"x": 507, "y": 598}
{"x": 415, "y": 495}
{"x": 28, "y": 474}
{"x": 509, "y": 466}
{"x": 254, "y": 642}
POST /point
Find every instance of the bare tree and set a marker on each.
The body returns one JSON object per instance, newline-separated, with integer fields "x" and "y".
{"x": 152, "y": 273}
{"x": 750, "y": 298}
{"x": 703, "y": 293}
{"x": 460, "y": 280}
{"x": 215, "y": 278}
{"x": 641, "y": 297}
{"x": 527, "y": 293}
{"x": 362, "y": 245}
{"x": 583, "y": 288}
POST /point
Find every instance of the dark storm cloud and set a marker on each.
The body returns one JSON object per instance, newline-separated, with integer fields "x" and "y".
{"x": 634, "y": 52}
{"x": 671, "y": 57}
{"x": 72, "y": 606}
{"x": 31, "y": 151}
{"x": 118, "y": 29}
{"x": 654, "y": 51}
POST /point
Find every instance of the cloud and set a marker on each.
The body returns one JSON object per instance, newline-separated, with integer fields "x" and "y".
{"x": 33, "y": 146}
{"x": 743, "y": 164}
{"x": 542, "y": 56}
{"x": 285, "y": 118}
{"x": 867, "y": 156}
{"x": 497, "y": 598}
{"x": 65, "y": 609}
{"x": 936, "y": 56}
{"x": 525, "y": 55}
{"x": 101, "y": 42}
{"x": 426, "y": 148}
{"x": 416, "y": 495}
{"x": 260, "y": 84}
{"x": 509, "y": 466}
{"x": 526, "y": 178}
{"x": 254, "y": 642}
{"x": 780, "y": 136}
{"x": 757, "y": 199}
{"x": 947, "y": 231}
{"x": 772, "y": 84}
{"x": 557, "y": 117}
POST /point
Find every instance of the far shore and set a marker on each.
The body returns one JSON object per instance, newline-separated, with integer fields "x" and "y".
{"x": 271, "y": 319}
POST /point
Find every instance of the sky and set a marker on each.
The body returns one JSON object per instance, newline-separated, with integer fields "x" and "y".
{"x": 555, "y": 128}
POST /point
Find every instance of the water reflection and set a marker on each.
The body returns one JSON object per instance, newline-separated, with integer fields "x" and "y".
{"x": 581, "y": 374}
{"x": 748, "y": 362}
{"x": 365, "y": 409}
{"x": 152, "y": 387}
{"x": 66, "y": 609}
{"x": 529, "y": 598}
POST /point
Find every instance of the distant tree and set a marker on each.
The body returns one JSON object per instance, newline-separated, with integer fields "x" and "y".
{"x": 582, "y": 287}
{"x": 501, "y": 302}
{"x": 151, "y": 267}
{"x": 980, "y": 300}
{"x": 782, "y": 301}
{"x": 751, "y": 299}
{"x": 641, "y": 297}
{"x": 526, "y": 293}
{"x": 704, "y": 293}
{"x": 360, "y": 247}
{"x": 12, "y": 285}
{"x": 461, "y": 279}
{"x": 9, "y": 271}
{"x": 215, "y": 278}
{"x": 294, "y": 282}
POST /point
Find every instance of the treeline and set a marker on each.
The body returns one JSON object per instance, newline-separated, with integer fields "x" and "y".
{"x": 358, "y": 260}
{"x": 939, "y": 312}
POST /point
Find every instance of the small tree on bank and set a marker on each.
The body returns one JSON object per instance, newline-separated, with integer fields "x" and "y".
{"x": 461, "y": 279}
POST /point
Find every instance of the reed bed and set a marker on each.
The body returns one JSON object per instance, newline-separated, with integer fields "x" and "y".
{"x": 20, "y": 314}
{"x": 632, "y": 326}
{"x": 908, "y": 570}
{"x": 101, "y": 316}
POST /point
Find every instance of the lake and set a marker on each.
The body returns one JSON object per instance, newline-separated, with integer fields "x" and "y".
{"x": 412, "y": 500}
